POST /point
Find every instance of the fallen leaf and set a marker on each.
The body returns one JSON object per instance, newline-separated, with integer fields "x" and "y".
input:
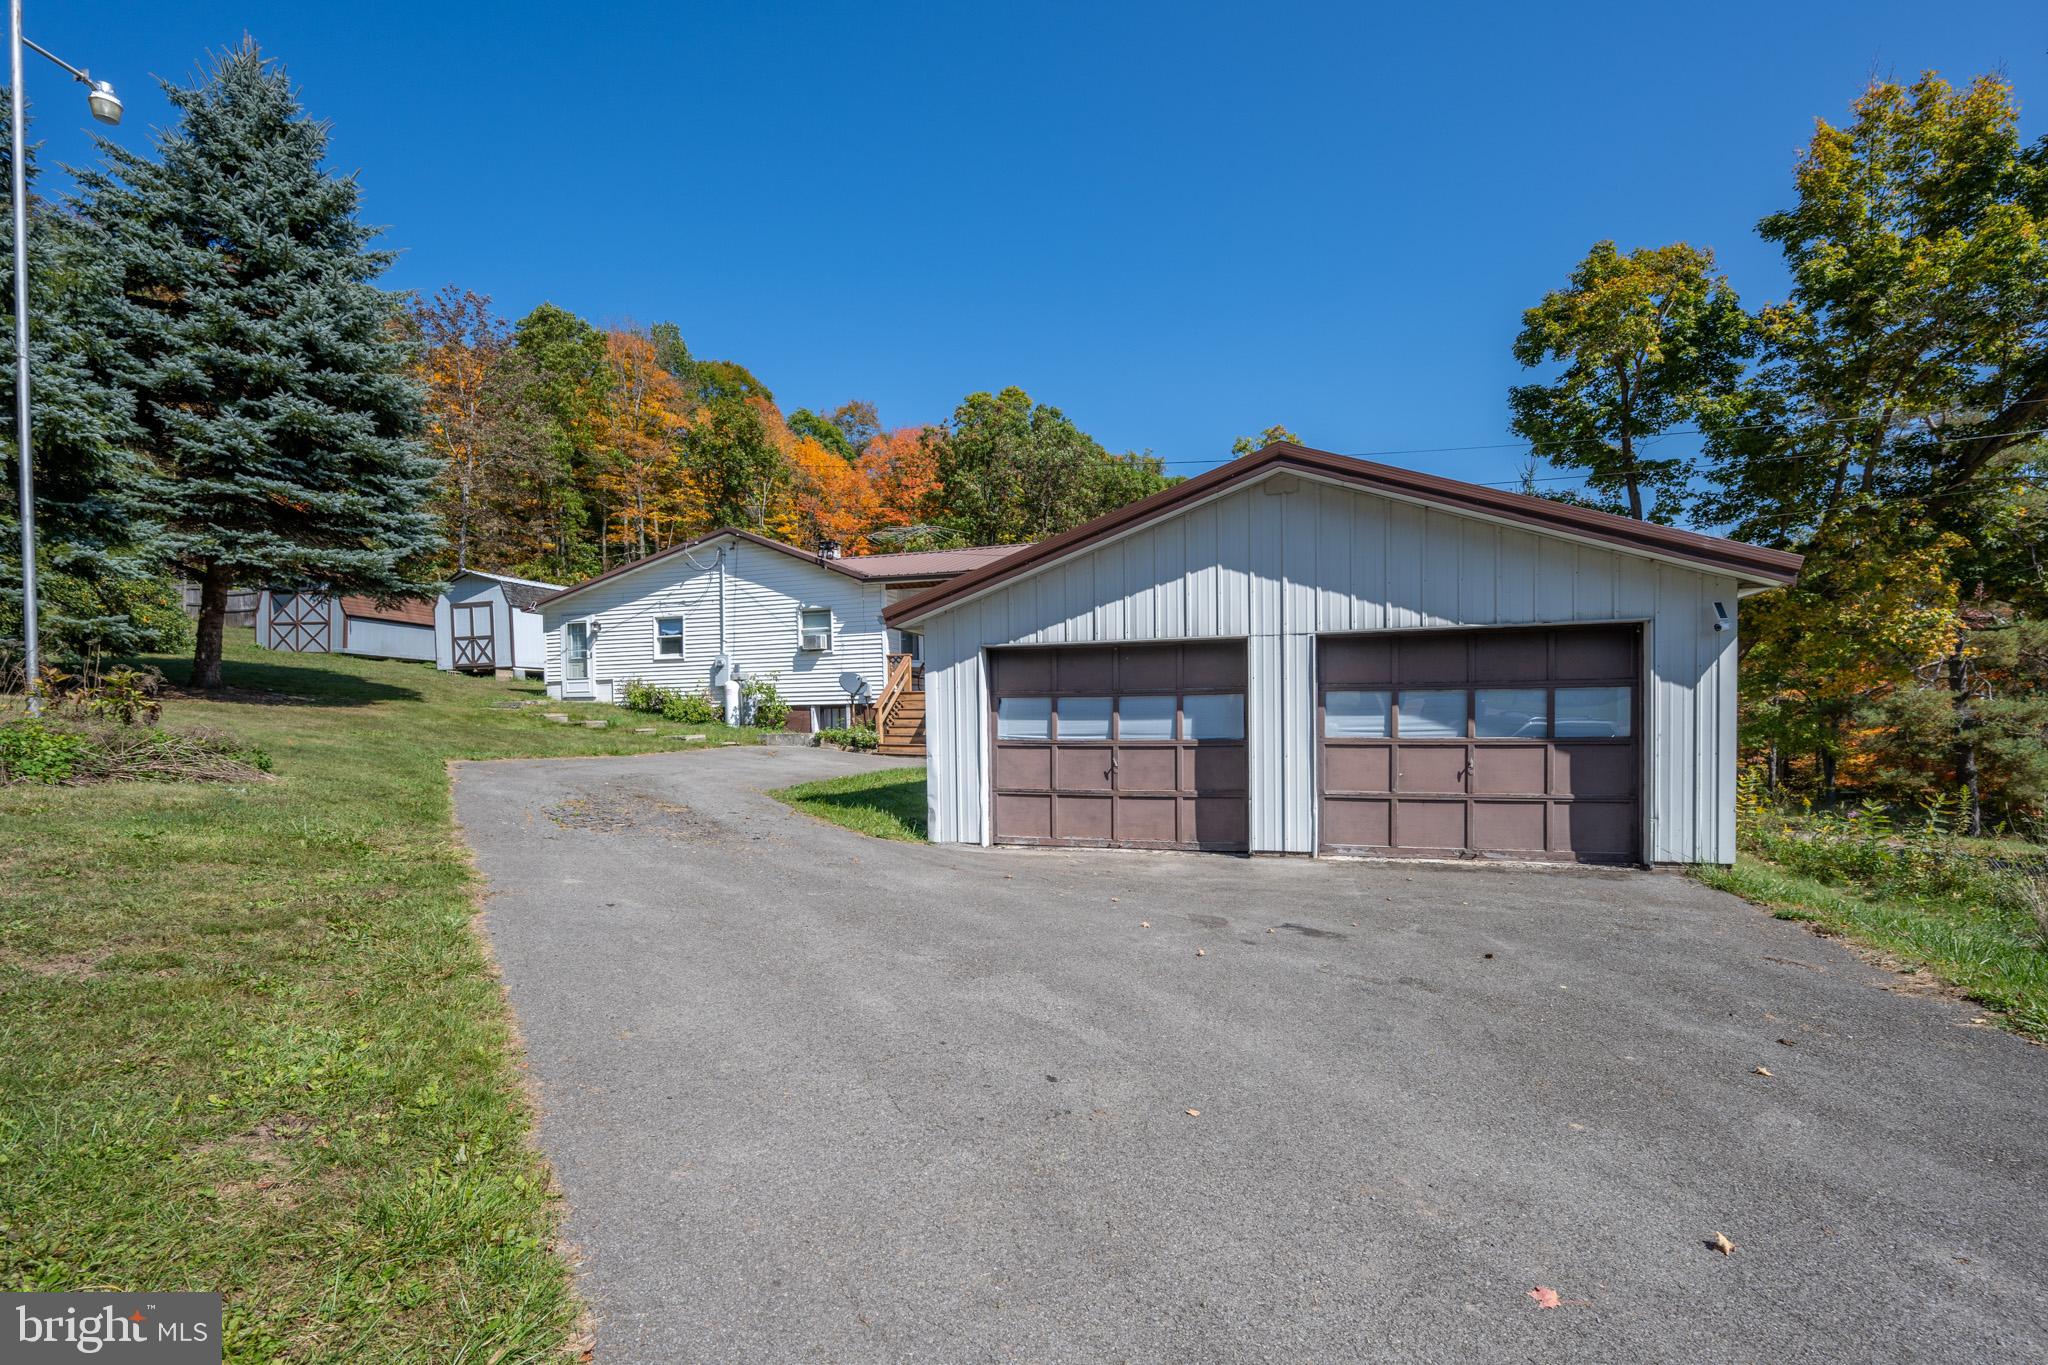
{"x": 1723, "y": 1245}
{"x": 1272, "y": 931}
{"x": 1545, "y": 1298}
{"x": 1787, "y": 1042}
{"x": 1144, "y": 924}
{"x": 1762, "y": 1071}
{"x": 1201, "y": 952}
{"x": 1194, "y": 1113}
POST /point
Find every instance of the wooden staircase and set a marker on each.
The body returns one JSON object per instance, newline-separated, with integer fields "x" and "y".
{"x": 899, "y": 716}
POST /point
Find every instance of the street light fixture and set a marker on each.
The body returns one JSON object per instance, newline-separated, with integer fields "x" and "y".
{"x": 106, "y": 107}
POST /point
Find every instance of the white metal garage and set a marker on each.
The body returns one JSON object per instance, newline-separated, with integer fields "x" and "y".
{"x": 1409, "y": 684}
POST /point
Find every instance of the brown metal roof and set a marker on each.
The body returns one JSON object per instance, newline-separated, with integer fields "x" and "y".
{"x": 914, "y": 566}
{"x": 1752, "y": 562}
{"x": 411, "y": 611}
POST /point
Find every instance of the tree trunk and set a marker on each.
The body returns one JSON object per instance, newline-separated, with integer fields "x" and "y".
{"x": 1964, "y": 755}
{"x": 1771, "y": 768}
{"x": 1827, "y": 772}
{"x": 213, "y": 615}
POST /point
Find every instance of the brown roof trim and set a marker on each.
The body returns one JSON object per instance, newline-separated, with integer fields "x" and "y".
{"x": 1711, "y": 552}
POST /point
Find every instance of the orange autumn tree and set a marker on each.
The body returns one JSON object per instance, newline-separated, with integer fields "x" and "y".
{"x": 901, "y": 470}
{"x": 644, "y": 496}
{"x": 829, "y": 500}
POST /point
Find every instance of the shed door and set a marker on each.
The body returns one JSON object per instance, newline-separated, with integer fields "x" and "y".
{"x": 299, "y": 622}
{"x": 1508, "y": 743}
{"x": 1138, "y": 746}
{"x": 475, "y": 641}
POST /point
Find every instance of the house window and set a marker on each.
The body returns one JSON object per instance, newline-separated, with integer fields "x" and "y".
{"x": 814, "y": 629}
{"x": 668, "y": 637}
{"x": 828, "y": 717}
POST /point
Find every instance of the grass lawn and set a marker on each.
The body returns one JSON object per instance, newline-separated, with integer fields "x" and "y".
{"x": 887, "y": 804}
{"x": 250, "y": 1043}
{"x": 1994, "y": 957}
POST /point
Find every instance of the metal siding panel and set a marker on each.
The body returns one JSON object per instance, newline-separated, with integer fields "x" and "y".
{"x": 1478, "y": 574}
{"x": 1297, "y": 782}
{"x": 1404, "y": 566}
{"x": 1334, "y": 547}
{"x": 1515, "y": 576}
{"x": 1442, "y": 537}
{"x": 1593, "y": 598}
{"x": 1264, "y": 705}
{"x": 1557, "y": 572}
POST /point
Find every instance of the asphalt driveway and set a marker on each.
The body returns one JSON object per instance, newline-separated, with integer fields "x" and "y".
{"x": 813, "y": 1096}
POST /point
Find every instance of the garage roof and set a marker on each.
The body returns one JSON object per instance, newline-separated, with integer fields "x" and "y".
{"x": 1751, "y": 563}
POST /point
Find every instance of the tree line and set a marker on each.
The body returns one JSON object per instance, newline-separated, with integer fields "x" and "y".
{"x": 1885, "y": 420}
{"x": 224, "y": 394}
{"x": 567, "y": 448}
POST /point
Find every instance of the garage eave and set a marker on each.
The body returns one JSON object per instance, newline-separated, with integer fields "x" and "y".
{"x": 1754, "y": 567}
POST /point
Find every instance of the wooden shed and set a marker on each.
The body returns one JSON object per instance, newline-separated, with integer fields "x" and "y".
{"x": 486, "y": 623}
{"x": 316, "y": 622}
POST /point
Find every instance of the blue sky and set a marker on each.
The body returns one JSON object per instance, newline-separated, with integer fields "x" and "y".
{"x": 1178, "y": 222}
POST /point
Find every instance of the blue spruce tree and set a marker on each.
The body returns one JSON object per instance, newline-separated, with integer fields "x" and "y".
{"x": 95, "y": 554}
{"x": 274, "y": 407}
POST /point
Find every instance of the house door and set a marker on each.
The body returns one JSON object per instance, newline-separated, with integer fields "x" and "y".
{"x": 576, "y": 659}
{"x": 475, "y": 643}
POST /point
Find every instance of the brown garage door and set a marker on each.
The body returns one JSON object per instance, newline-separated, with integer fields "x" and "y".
{"x": 1515, "y": 743}
{"x": 1136, "y": 746}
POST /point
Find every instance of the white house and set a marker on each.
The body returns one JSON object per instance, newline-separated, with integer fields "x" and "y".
{"x": 334, "y": 623}
{"x": 812, "y": 622}
{"x": 487, "y": 623}
{"x": 1303, "y": 653}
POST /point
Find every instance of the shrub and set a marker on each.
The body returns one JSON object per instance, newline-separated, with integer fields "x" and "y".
{"x": 33, "y": 751}
{"x": 1865, "y": 849}
{"x": 860, "y": 737}
{"x": 688, "y": 708}
{"x": 763, "y": 704}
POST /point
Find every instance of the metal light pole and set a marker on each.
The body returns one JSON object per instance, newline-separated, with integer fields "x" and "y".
{"x": 106, "y": 107}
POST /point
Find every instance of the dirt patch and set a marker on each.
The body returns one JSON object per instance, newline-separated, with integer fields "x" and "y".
{"x": 623, "y": 812}
{"x": 70, "y": 966}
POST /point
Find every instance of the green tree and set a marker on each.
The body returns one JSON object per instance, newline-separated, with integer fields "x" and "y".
{"x": 804, "y": 422}
{"x": 1646, "y": 339}
{"x": 566, "y": 358}
{"x": 733, "y": 463}
{"x": 1013, "y": 470}
{"x": 1246, "y": 445}
{"x": 98, "y": 587}
{"x": 1909, "y": 367}
{"x": 270, "y": 373}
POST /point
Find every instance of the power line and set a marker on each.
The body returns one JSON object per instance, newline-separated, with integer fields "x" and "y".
{"x": 1536, "y": 447}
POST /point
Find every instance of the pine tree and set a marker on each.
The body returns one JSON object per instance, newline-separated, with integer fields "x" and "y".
{"x": 271, "y": 374}
{"x": 95, "y": 590}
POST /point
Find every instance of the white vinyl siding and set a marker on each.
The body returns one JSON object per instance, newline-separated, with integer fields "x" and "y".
{"x": 1277, "y": 569}
{"x": 765, "y": 592}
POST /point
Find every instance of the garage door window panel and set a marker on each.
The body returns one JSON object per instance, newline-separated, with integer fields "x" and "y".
{"x": 1351, "y": 714}
{"x": 1216, "y": 716}
{"x": 1511, "y": 713}
{"x": 1145, "y": 718}
{"x": 1084, "y": 719}
{"x": 1593, "y": 712}
{"x": 1024, "y": 718}
{"x": 1431, "y": 715}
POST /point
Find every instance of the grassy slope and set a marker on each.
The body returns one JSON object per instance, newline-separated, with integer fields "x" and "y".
{"x": 248, "y": 1041}
{"x": 887, "y": 804}
{"x": 1993, "y": 958}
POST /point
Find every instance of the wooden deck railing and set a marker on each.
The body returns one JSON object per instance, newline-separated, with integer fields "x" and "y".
{"x": 904, "y": 677}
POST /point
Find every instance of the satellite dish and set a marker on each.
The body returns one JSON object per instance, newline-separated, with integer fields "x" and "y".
{"x": 853, "y": 685}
